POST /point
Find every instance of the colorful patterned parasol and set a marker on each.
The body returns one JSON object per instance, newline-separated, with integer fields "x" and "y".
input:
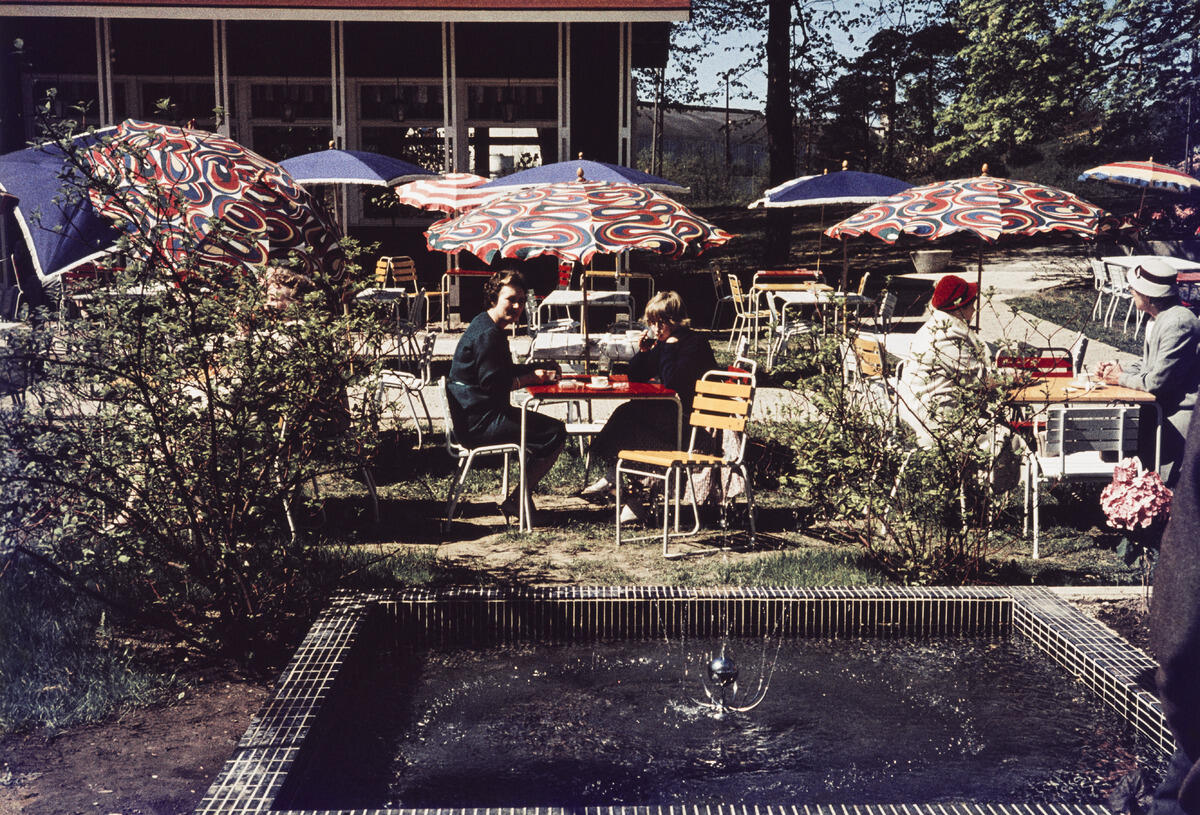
{"x": 204, "y": 197}
{"x": 1144, "y": 174}
{"x": 989, "y": 207}
{"x": 575, "y": 221}
{"x": 986, "y": 206}
{"x": 452, "y": 193}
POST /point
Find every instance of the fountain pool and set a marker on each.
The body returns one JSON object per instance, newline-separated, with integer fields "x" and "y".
{"x": 600, "y": 700}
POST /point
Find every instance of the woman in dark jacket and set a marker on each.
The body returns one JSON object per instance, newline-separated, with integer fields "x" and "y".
{"x": 674, "y": 355}
{"x": 482, "y": 377}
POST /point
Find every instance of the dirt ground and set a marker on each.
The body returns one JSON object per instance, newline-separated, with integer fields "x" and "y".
{"x": 159, "y": 761}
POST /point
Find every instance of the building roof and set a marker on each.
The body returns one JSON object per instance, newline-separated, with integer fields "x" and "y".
{"x": 411, "y": 10}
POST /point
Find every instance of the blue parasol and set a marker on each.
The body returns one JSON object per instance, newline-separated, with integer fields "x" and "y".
{"x": 580, "y": 169}
{"x": 60, "y": 230}
{"x": 352, "y": 167}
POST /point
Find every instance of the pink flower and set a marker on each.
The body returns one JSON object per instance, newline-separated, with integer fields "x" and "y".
{"x": 1135, "y": 499}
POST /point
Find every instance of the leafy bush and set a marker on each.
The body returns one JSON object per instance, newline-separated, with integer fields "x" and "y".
{"x": 920, "y": 513}
{"x": 167, "y": 433}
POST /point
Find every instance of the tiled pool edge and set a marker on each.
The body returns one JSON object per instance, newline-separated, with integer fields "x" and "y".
{"x": 251, "y": 779}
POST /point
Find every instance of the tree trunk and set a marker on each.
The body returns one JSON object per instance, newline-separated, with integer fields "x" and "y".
{"x": 780, "y": 135}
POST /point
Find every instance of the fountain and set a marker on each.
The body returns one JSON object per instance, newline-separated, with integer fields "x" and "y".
{"x": 575, "y": 698}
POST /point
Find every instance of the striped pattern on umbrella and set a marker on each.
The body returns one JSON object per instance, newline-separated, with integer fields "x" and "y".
{"x": 210, "y": 202}
{"x": 1142, "y": 174}
{"x": 452, "y": 193}
{"x": 575, "y": 221}
{"x": 987, "y": 206}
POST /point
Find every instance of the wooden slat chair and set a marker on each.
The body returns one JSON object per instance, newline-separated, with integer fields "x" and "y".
{"x": 1073, "y": 448}
{"x": 403, "y": 275}
{"x": 396, "y": 278}
{"x": 719, "y": 405}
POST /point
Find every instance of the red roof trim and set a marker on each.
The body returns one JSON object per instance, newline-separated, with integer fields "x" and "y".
{"x": 407, "y": 5}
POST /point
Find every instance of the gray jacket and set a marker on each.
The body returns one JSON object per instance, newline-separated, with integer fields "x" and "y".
{"x": 1170, "y": 365}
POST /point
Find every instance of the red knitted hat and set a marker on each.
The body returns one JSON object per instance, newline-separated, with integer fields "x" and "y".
{"x": 952, "y": 292}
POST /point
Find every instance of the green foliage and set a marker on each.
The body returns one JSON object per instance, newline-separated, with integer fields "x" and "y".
{"x": 172, "y": 421}
{"x": 921, "y": 514}
{"x": 1029, "y": 70}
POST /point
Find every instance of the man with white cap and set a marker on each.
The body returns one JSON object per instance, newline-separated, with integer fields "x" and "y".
{"x": 1170, "y": 364}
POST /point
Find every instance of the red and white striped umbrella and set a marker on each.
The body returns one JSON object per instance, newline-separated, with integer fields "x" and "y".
{"x": 1143, "y": 174}
{"x": 452, "y": 193}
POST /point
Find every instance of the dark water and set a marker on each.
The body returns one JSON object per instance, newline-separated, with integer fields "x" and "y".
{"x": 851, "y": 721}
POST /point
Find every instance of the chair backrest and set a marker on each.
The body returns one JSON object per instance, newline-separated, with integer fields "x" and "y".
{"x": 1099, "y": 274}
{"x": 1078, "y": 351}
{"x": 887, "y": 309}
{"x": 868, "y": 355}
{"x": 1072, "y": 429}
{"x": 453, "y": 446}
{"x": 383, "y": 268}
{"x": 417, "y": 356}
{"x": 1039, "y": 362}
{"x": 735, "y": 290}
{"x": 723, "y": 402}
{"x": 862, "y": 282}
{"x": 1118, "y": 280}
{"x": 403, "y": 273}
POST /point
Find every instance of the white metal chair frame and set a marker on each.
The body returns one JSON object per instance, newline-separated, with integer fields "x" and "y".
{"x": 722, "y": 402}
{"x": 411, "y": 377}
{"x": 783, "y": 330}
{"x": 465, "y": 456}
{"x": 1070, "y": 450}
{"x": 746, "y": 314}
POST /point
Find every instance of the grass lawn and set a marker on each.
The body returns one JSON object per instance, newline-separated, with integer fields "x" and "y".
{"x": 1070, "y": 306}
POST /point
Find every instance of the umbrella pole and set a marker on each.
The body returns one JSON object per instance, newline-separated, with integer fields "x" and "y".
{"x": 979, "y": 284}
{"x": 820, "y": 234}
{"x": 845, "y": 265}
{"x": 583, "y": 322}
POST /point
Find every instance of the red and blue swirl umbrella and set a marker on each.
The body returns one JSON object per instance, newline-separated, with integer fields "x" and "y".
{"x": 986, "y": 206}
{"x": 576, "y": 221}
{"x": 207, "y": 202}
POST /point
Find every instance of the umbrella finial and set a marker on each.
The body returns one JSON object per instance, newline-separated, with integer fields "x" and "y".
{"x": 579, "y": 155}
{"x": 983, "y": 169}
{"x": 579, "y": 173}
{"x": 332, "y": 143}
{"x": 845, "y": 165}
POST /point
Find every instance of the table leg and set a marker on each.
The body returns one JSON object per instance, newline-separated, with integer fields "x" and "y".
{"x": 524, "y": 517}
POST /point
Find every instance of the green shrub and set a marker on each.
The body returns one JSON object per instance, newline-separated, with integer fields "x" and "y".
{"x": 164, "y": 436}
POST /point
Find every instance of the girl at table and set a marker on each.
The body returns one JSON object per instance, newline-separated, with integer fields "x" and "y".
{"x": 483, "y": 375}
{"x": 1170, "y": 364}
{"x": 674, "y": 355}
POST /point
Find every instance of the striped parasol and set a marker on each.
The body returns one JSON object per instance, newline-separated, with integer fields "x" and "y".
{"x": 1144, "y": 174}
{"x": 452, "y": 193}
{"x": 576, "y": 221}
